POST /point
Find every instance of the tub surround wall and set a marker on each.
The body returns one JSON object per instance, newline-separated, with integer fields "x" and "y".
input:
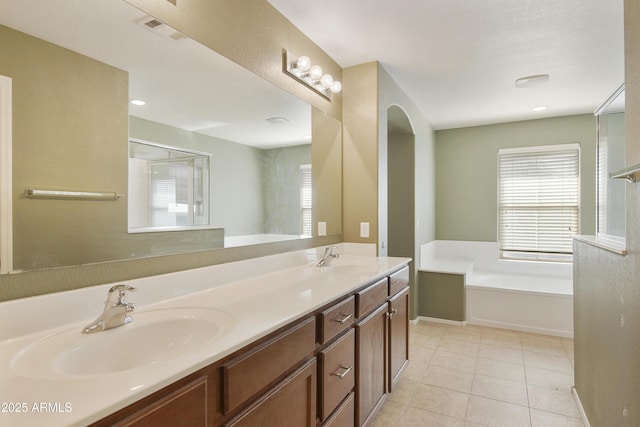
{"x": 466, "y": 172}
{"x": 607, "y": 286}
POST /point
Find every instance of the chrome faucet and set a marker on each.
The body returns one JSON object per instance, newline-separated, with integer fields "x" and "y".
{"x": 115, "y": 310}
{"x": 327, "y": 257}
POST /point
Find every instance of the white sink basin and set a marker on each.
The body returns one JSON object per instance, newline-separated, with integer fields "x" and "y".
{"x": 154, "y": 337}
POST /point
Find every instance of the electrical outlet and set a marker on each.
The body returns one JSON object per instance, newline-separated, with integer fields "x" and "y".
{"x": 364, "y": 230}
{"x": 322, "y": 228}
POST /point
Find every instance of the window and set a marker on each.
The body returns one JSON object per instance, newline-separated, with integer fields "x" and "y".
{"x": 538, "y": 201}
{"x": 306, "y": 201}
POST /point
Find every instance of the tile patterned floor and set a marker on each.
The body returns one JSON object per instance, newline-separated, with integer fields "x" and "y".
{"x": 470, "y": 376}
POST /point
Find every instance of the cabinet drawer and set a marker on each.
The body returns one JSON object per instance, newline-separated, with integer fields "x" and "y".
{"x": 371, "y": 297}
{"x": 398, "y": 281}
{"x": 336, "y": 319}
{"x": 250, "y": 373}
{"x": 186, "y": 406}
{"x": 291, "y": 403}
{"x": 337, "y": 373}
{"x": 344, "y": 415}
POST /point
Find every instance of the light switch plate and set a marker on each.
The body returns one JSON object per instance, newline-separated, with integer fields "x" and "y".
{"x": 322, "y": 228}
{"x": 364, "y": 229}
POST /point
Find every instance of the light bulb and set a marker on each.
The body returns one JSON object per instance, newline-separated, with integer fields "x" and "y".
{"x": 326, "y": 81}
{"x": 336, "y": 86}
{"x": 303, "y": 63}
{"x": 315, "y": 72}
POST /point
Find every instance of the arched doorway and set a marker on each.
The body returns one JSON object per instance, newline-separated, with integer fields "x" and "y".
{"x": 400, "y": 185}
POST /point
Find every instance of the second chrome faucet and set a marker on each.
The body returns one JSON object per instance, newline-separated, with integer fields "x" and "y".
{"x": 116, "y": 310}
{"x": 327, "y": 256}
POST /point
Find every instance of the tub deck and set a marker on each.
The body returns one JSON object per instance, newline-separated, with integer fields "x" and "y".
{"x": 525, "y": 296}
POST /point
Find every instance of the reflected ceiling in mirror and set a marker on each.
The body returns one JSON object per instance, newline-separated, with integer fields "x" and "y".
{"x": 183, "y": 83}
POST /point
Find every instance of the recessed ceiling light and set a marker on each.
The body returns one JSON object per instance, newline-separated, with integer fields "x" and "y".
{"x": 276, "y": 120}
{"x": 137, "y": 102}
{"x": 539, "y": 108}
{"x": 531, "y": 81}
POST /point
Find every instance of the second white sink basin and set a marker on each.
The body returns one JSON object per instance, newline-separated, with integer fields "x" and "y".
{"x": 154, "y": 337}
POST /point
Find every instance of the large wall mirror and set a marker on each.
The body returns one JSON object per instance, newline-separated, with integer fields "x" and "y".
{"x": 77, "y": 64}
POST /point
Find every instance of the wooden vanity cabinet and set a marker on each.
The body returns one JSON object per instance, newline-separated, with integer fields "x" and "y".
{"x": 382, "y": 342}
{"x": 333, "y": 368}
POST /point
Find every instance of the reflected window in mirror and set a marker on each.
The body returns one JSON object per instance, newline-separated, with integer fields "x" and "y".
{"x": 306, "y": 201}
{"x": 168, "y": 187}
{"x": 611, "y": 198}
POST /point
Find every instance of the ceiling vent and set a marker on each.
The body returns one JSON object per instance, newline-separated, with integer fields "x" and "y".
{"x": 160, "y": 28}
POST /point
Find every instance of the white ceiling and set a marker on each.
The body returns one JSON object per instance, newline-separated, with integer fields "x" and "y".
{"x": 458, "y": 59}
{"x": 184, "y": 84}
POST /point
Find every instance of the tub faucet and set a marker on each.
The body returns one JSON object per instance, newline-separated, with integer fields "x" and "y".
{"x": 327, "y": 257}
{"x": 115, "y": 310}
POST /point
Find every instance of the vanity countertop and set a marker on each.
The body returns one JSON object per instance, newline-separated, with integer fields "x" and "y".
{"x": 261, "y": 296}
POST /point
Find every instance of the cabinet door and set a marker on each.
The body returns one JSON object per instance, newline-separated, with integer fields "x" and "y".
{"x": 398, "y": 336}
{"x": 371, "y": 355}
{"x": 291, "y": 403}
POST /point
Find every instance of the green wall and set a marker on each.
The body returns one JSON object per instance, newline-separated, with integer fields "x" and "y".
{"x": 281, "y": 188}
{"x": 466, "y": 172}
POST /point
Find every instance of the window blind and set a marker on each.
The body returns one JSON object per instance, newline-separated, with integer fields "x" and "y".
{"x": 306, "y": 201}
{"x": 539, "y": 201}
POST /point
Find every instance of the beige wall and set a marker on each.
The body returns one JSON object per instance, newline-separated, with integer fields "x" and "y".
{"x": 327, "y": 171}
{"x": 466, "y": 172}
{"x": 607, "y": 286}
{"x": 65, "y": 105}
{"x": 360, "y": 152}
{"x": 368, "y": 94}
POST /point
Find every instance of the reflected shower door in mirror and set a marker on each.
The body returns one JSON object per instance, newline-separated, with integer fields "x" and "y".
{"x": 611, "y": 198}
{"x": 73, "y": 83}
{"x": 168, "y": 188}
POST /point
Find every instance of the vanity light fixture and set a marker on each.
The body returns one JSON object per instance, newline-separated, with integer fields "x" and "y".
{"x": 138, "y": 102}
{"x": 311, "y": 75}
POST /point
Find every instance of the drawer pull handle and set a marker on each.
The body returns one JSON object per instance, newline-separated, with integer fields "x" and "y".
{"x": 392, "y": 313}
{"x": 343, "y": 374}
{"x": 344, "y": 319}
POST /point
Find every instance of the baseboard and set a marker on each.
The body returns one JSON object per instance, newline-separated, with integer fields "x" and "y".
{"x": 583, "y": 414}
{"x": 519, "y": 328}
{"x": 437, "y": 320}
